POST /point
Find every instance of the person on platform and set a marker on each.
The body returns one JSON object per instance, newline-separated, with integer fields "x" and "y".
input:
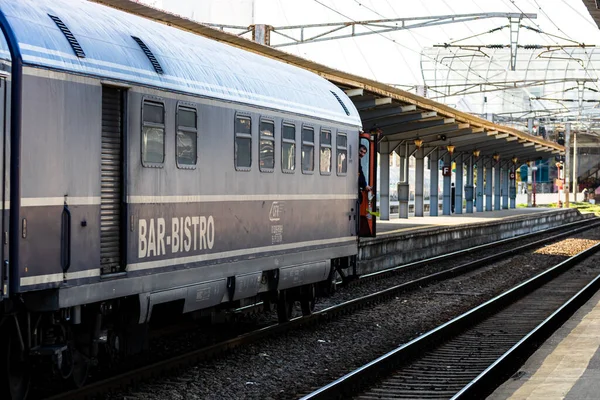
{"x": 362, "y": 181}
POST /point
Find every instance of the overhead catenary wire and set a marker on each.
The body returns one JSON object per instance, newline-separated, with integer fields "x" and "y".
{"x": 398, "y": 44}
{"x": 566, "y": 52}
{"x": 585, "y": 68}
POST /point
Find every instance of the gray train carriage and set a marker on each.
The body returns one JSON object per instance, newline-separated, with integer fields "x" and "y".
{"x": 147, "y": 167}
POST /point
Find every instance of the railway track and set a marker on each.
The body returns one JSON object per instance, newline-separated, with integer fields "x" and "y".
{"x": 472, "y": 354}
{"x": 160, "y": 368}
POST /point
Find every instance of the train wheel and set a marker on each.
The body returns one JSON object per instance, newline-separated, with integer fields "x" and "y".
{"x": 308, "y": 300}
{"x": 81, "y": 368}
{"x": 15, "y": 369}
{"x": 284, "y": 306}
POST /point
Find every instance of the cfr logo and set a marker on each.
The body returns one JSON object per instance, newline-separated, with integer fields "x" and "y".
{"x": 276, "y": 211}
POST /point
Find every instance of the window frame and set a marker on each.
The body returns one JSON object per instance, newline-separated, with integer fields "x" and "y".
{"x": 289, "y": 141}
{"x": 161, "y": 102}
{"x": 244, "y": 135}
{"x": 338, "y": 148}
{"x": 272, "y": 139}
{"x": 327, "y": 146}
{"x": 313, "y": 144}
{"x": 191, "y": 107}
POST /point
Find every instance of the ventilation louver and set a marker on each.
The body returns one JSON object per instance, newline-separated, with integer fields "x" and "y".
{"x": 69, "y": 35}
{"x": 341, "y": 102}
{"x": 149, "y": 54}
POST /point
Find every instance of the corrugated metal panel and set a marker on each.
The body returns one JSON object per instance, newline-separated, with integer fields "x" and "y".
{"x": 191, "y": 63}
{"x": 110, "y": 208}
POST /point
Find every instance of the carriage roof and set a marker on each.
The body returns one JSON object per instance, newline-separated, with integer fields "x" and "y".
{"x": 189, "y": 63}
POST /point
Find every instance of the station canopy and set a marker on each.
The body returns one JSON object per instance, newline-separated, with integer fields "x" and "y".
{"x": 400, "y": 117}
{"x": 550, "y": 85}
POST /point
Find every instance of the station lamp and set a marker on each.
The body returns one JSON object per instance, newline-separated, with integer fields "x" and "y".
{"x": 418, "y": 142}
{"x": 450, "y": 148}
{"x": 476, "y": 153}
{"x": 514, "y": 160}
{"x": 496, "y": 157}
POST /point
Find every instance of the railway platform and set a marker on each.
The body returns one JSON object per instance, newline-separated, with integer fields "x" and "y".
{"x": 401, "y": 241}
{"x": 566, "y": 366}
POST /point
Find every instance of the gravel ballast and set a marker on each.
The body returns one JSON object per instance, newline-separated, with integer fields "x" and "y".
{"x": 294, "y": 364}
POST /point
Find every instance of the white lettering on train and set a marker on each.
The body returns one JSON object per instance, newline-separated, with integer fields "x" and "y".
{"x": 187, "y": 234}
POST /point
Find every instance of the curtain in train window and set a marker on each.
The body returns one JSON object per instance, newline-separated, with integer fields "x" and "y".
{"x": 342, "y": 153}
{"x": 187, "y": 137}
{"x": 308, "y": 149}
{"x": 325, "y": 155}
{"x": 288, "y": 148}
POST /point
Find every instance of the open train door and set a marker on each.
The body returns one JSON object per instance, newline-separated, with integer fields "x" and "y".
{"x": 368, "y": 200}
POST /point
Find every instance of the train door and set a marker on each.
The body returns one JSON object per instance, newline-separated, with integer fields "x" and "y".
{"x": 112, "y": 208}
{"x": 4, "y": 167}
{"x": 368, "y": 204}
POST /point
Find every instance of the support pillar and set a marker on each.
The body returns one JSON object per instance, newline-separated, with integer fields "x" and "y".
{"x": 469, "y": 186}
{"x": 447, "y": 191}
{"x": 497, "y": 186}
{"x": 433, "y": 183}
{"x": 384, "y": 181}
{"x": 529, "y": 184}
{"x": 419, "y": 181}
{"x": 567, "y": 165}
{"x": 488, "y": 186}
{"x": 458, "y": 194}
{"x": 575, "y": 186}
{"x": 403, "y": 185}
{"x": 480, "y": 187}
{"x": 504, "y": 173}
{"x": 512, "y": 192}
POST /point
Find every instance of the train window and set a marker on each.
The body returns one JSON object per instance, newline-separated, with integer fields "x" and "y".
{"x": 342, "y": 153}
{"x": 288, "y": 148}
{"x": 308, "y": 149}
{"x": 153, "y": 133}
{"x": 243, "y": 143}
{"x": 187, "y": 137}
{"x": 266, "y": 156}
{"x": 325, "y": 152}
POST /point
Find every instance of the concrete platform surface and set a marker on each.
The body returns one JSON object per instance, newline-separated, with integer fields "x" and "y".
{"x": 398, "y": 225}
{"x": 566, "y": 366}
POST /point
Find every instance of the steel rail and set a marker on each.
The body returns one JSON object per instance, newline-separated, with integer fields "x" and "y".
{"x": 348, "y": 385}
{"x": 159, "y": 368}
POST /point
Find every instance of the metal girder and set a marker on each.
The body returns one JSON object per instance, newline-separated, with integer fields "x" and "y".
{"x": 354, "y": 92}
{"x": 497, "y": 145}
{"x": 417, "y": 125}
{"x": 299, "y": 34}
{"x": 424, "y": 134}
{"x": 458, "y": 138}
{"x": 463, "y": 89}
{"x": 385, "y": 112}
{"x": 404, "y": 117}
{"x": 372, "y": 103}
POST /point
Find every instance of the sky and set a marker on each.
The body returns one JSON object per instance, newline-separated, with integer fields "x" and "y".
{"x": 393, "y": 58}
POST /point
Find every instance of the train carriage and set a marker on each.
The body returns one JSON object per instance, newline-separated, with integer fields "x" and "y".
{"x": 143, "y": 166}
